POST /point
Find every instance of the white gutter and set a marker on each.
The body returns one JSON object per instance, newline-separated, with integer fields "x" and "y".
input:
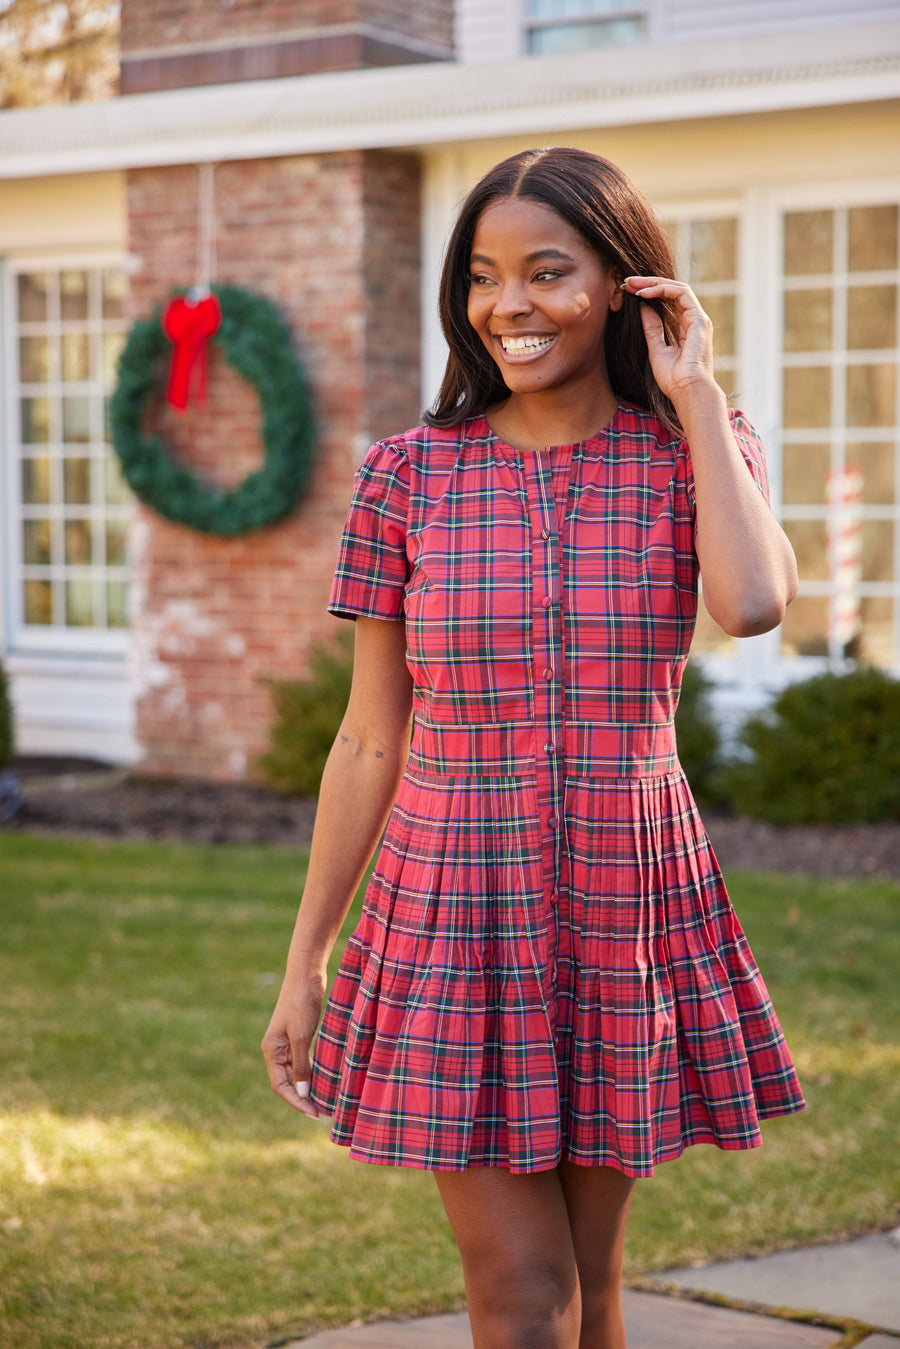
{"x": 417, "y": 105}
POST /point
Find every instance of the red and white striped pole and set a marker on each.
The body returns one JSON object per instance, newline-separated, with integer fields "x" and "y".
{"x": 844, "y": 496}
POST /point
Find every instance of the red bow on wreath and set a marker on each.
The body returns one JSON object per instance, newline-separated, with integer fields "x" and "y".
{"x": 189, "y": 324}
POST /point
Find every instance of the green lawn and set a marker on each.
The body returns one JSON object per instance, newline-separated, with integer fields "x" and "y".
{"x": 154, "y": 1193}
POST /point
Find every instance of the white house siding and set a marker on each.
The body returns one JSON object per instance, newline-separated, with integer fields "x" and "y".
{"x": 493, "y": 30}
{"x": 488, "y": 30}
{"x": 700, "y": 20}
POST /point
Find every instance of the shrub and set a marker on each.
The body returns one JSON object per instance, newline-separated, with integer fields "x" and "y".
{"x": 7, "y": 739}
{"x": 828, "y": 751}
{"x": 699, "y": 743}
{"x": 308, "y": 713}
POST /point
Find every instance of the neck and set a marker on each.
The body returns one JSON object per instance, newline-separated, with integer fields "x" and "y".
{"x": 534, "y": 420}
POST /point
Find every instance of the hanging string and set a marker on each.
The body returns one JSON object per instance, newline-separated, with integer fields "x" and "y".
{"x": 206, "y": 230}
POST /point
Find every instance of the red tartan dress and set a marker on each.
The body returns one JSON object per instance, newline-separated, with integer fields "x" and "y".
{"x": 547, "y": 959}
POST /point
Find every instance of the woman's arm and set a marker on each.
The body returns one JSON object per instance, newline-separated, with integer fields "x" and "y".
{"x": 747, "y": 564}
{"x": 359, "y": 784}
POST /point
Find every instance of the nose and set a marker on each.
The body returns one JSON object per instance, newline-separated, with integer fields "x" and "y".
{"x": 512, "y": 300}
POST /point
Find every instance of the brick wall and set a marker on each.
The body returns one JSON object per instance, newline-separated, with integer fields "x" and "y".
{"x": 179, "y": 43}
{"x": 333, "y": 240}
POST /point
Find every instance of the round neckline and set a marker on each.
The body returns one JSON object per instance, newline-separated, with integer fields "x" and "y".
{"x": 499, "y": 442}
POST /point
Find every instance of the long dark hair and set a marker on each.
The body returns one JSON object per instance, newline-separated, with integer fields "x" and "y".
{"x": 602, "y": 204}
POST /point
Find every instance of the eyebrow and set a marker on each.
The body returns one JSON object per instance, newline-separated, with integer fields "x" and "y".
{"x": 531, "y": 257}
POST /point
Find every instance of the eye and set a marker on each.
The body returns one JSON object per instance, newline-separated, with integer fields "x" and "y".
{"x": 477, "y": 279}
{"x": 546, "y": 274}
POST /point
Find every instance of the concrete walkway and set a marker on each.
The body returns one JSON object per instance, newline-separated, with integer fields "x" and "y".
{"x": 854, "y": 1282}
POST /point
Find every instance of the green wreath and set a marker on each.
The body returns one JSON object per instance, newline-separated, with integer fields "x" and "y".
{"x": 257, "y": 344}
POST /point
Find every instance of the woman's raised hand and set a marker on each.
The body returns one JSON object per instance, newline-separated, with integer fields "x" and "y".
{"x": 687, "y": 364}
{"x": 286, "y": 1043}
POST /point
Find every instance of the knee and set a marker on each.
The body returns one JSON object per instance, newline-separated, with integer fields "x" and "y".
{"x": 534, "y": 1307}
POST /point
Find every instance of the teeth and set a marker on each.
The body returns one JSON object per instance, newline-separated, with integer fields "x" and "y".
{"x": 525, "y": 343}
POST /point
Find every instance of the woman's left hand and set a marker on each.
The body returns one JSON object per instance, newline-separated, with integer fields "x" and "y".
{"x": 687, "y": 363}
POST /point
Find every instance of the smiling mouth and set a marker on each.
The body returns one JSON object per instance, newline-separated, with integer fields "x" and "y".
{"x": 520, "y": 346}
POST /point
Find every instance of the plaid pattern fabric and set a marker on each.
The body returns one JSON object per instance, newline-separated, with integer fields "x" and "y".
{"x": 547, "y": 958}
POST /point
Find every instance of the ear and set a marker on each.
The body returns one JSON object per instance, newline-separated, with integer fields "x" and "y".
{"x": 617, "y": 298}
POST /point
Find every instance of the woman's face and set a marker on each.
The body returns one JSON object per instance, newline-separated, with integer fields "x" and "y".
{"x": 539, "y": 297}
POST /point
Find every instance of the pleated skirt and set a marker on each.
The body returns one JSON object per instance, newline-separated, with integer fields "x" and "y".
{"x": 489, "y": 1012}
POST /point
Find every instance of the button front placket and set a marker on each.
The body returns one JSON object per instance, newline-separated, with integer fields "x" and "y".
{"x": 548, "y": 653}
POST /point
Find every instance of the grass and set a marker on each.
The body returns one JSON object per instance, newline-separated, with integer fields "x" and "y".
{"x": 155, "y": 1194}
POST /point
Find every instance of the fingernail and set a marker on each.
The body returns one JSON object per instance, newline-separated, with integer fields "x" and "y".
{"x": 302, "y": 1090}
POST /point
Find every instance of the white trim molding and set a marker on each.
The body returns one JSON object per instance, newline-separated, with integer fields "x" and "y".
{"x": 445, "y": 102}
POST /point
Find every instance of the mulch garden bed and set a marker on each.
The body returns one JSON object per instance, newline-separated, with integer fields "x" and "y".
{"x": 80, "y": 797}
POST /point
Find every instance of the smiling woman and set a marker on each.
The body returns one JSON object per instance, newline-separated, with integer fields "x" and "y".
{"x": 548, "y": 993}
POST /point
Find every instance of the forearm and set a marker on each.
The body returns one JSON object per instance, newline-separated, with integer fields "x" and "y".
{"x": 746, "y": 562}
{"x": 358, "y": 788}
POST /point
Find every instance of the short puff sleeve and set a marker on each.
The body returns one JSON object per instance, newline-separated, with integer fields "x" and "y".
{"x": 372, "y": 569}
{"x": 750, "y": 446}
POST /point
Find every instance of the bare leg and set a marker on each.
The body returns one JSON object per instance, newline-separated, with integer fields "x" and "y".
{"x": 518, "y": 1257}
{"x": 598, "y": 1200}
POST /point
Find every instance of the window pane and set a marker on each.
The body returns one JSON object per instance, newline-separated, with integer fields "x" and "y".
{"x": 35, "y": 421}
{"x": 713, "y": 250}
{"x": 871, "y": 395}
{"x": 807, "y": 319}
{"x": 36, "y": 482}
{"x": 76, "y": 419}
{"x": 116, "y": 604}
{"x": 878, "y": 550}
{"x": 872, "y": 238}
{"x": 78, "y": 543}
{"x": 38, "y": 602}
{"x": 33, "y": 296}
{"x": 804, "y": 632}
{"x": 37, "y": 543}
{"x": 77, "y": 481}
{"x": 79, "y": 604}
{"x": 116, "y": 543}
{"x": 808, "y": 242}
{"x": 809, "y": 543}
{"x": 876, "y": 463}
{"x": 36, "y": 364}
{"x": 807, "y": 396}
{"x": 708, "y": 636}
{"x": 115, "y": 292}
{"x": 877, "y": 638}
{"x": 114, "y": 482}
{"x": 805, "y": 474}
{"x": 112, "y": 350}
{"x": 73, "y": 295}
{"x": 871, "y": 317}
{"x": 721, "y": 309}
{"x": 76, "y": 356}
{"x": 576, "y": 36}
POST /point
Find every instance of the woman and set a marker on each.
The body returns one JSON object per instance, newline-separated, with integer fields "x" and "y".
{"x": 548, "y": 992}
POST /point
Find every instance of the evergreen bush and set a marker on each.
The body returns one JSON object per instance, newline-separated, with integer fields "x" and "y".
{"x": 308, "y": 713}
{"x": 826, "y": 752}
{"x": 699, "y": 742}
{"x": 7, "y": 737}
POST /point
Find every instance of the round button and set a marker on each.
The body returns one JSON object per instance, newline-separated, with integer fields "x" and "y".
{"x": 545, "y": 534}
{"x": 546, "y": 601}
{"x": 551, "y": 822}
{"x": 548, "y": 673}
{"x": 549, "y": 747}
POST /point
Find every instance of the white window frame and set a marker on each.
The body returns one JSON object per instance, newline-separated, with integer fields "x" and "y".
{"x": 622, "y": 9}
{"x": 20, "y": 637}
{"x": 832, "y": 197}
